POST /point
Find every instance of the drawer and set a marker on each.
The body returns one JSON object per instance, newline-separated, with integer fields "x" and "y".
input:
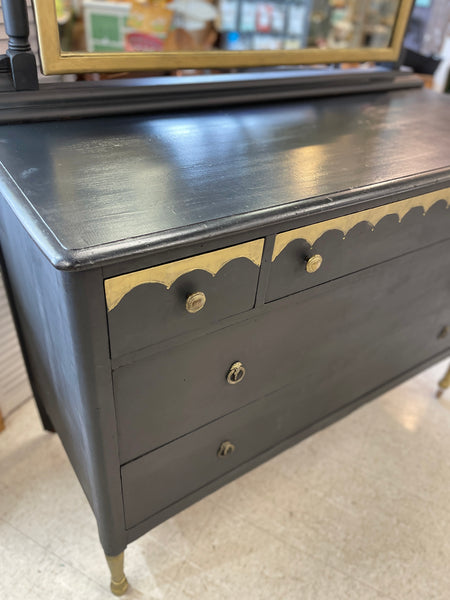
{"x": 336, "y": 341}
{"x": 311, "y": 255}
{"x": 176, "y": 391}
{"x": 191, "y": 462}
{"x": 150, "y": 305}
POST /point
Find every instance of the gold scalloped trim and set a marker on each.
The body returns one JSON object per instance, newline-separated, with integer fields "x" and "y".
{"x": 372, "y": 216}
{"x": 118, "y": 287}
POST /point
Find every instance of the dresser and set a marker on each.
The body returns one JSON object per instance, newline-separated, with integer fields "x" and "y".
{"x": 197, "y": 291}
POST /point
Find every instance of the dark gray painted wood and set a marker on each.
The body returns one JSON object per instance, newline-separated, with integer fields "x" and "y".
{"x": 64, "y": 333}
{"x": 338, "y": 341}
{"x": 138, "y": 191}
{"x": 22, "y": 60}
{"x": 161, "y": 94}
{"x": 151, "y": 313}
{"x": 151, "y": 522}
{"x": 224, "y": 232}
{"x": 99, "y": 190}
{"x": 361, "y": 248}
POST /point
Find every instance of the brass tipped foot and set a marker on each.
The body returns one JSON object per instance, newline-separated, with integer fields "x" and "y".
{"x": 444, "y": 384}
{"x": 119, "y": 583}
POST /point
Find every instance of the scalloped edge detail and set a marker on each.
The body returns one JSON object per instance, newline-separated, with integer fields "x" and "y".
{"x": 372, "y": 216}
{"x": 116, "y": 288}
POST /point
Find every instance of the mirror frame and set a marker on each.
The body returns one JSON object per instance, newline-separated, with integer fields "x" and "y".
{"x": 56, "y": 62}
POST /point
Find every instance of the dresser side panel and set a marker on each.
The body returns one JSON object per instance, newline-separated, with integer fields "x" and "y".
{"x": 61, "y": 320}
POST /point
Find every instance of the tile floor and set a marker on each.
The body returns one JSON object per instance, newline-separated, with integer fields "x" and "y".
{"x": 359, "y": 511}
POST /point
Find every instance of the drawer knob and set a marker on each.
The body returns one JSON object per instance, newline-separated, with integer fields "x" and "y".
{"x": 236, "y": 373}
{"x": 225, "y": 449}
{"x": 314, "y": 263}
{"x": 195, "y": 302}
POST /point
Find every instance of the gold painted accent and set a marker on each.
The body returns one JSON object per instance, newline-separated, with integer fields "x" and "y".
{"x": 444, "y": 384}
{"x": 55, "y": 62}
{"x": 236, "y": 373}
{"x": 314, "y": 263}
{"x": 311, "y": 233}
{"x": 117, "y": 287}
{"x": 119, "y": 583}
{"x": 225, "y": 449}
{"x": 195, "y": 302}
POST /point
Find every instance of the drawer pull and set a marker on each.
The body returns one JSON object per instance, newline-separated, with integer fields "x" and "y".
{"x": 443, "y": 333}
{"x": 195, "y": 302}
{"x": 314, "y": 263}
{"x": 225, "y": 449}
{"x": 236, "y": 373}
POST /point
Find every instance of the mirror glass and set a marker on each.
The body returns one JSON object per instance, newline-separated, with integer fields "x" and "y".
{"x": 97, "y": 26}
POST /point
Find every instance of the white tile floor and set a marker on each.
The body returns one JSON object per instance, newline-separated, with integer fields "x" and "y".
{"x": 359, "y": 511}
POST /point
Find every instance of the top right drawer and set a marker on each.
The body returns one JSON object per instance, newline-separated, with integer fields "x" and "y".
{"x": 311, "y": 255}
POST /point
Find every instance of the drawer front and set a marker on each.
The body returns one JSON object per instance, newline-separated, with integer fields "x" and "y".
{"x": 150, "y": 305}
{"x": 311, "y": 255}
{"x": 336, "y": 341}
{"x": 166, "y": 475}
{"x": 174, "y": 392}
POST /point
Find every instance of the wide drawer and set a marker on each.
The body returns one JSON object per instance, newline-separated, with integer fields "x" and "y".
{"x": 311, "y": 255}
{"x": 166, "y": 475}
{"x": 338, "y": 341}
{"x": 150, "y": 305}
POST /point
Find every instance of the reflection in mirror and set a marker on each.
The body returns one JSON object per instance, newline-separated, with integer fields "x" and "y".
{"x": 197, "y": 25}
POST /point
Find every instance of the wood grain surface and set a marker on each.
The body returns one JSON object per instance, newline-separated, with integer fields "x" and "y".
{"x": 92, "y": 190}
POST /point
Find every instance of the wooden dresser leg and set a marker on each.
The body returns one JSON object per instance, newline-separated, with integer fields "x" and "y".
{"x": 444, "y": 384}
{"x": 45, "y": 419}
{"x": 2, "y": 422}
{"x": 119, "y": 583}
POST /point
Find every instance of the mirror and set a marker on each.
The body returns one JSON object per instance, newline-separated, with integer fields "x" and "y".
{"x": 79, "y": 36}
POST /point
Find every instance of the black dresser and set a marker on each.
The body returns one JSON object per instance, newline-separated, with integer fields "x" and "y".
{"x": 196, "y": 292}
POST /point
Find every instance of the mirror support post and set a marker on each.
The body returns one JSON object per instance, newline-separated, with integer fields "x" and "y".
{"x": 21, "y": 58}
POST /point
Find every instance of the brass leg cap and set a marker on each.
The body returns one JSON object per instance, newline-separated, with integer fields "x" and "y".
{"x": 119, "y": 588}
{"x": 444, "y": 384}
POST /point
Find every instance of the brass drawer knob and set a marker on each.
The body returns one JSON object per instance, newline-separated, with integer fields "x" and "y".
{"x": 195, "y": 302}
{"x": 225, "y": 449}
{"x": 236, "y": 373}
{"x": 314, "y": 263}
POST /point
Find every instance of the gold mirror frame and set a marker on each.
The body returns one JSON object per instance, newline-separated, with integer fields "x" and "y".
{"x": 56, "y": 62}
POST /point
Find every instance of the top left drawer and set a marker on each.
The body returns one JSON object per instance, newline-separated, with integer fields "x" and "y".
{"x": 154, "y": 304}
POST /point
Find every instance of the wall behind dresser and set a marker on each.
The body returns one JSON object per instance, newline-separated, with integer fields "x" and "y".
{"x": 14, "y": 386}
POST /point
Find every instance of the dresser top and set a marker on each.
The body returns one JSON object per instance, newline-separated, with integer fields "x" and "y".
{"x": 96, "y": 190}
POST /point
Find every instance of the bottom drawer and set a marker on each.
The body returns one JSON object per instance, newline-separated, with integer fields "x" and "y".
{"x": 166, "y": 475}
